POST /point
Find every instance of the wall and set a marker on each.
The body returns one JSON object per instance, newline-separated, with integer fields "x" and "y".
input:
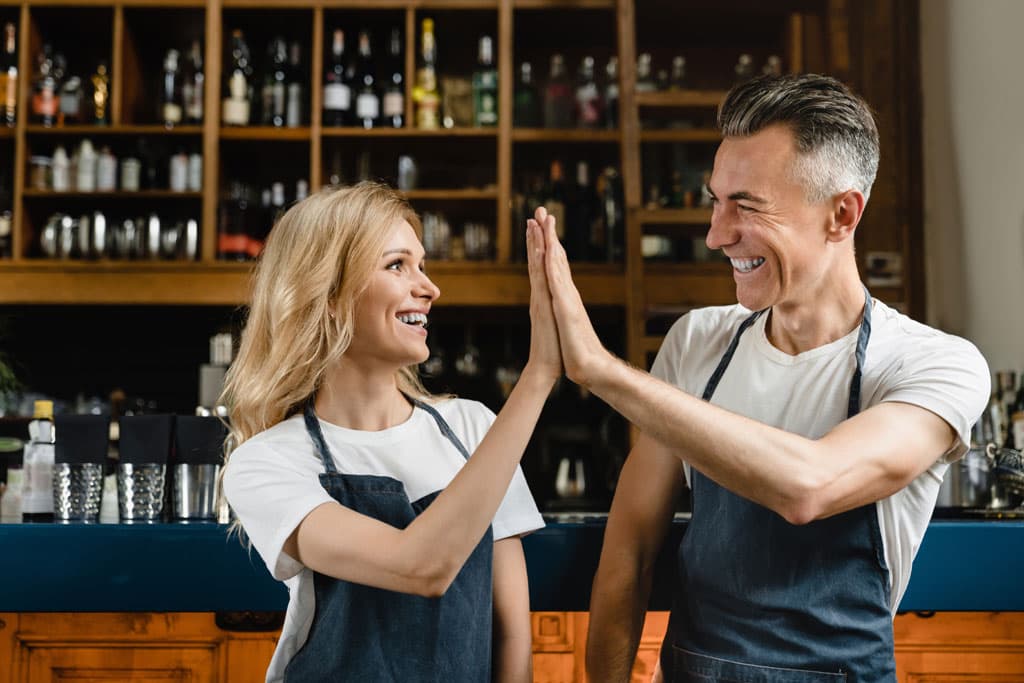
{"x": 972, "y": 58}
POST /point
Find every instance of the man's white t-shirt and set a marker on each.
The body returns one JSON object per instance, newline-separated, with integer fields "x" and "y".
{"x": 272, "y": 483}
{"x": 808, "y": 394}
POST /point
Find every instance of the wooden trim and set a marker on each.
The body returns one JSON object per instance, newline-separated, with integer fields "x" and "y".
{"x": 710, "y": 135}
{"x": 117, "y": 75}
{"x": 587, "y": 135}
{"x": 18, "y": 247}
{"x": 406, "y": 132}
{"x": 795, "y": 42}
{"x": 31, "y": 192}
{"x": 680, "y": 98}
{"x": 211, "y": 127}
{"x": 469, "y": 193}
{"x": 266, "y": 133}
{"x": 409, "y": 80}
{"x": 503, "y": 225}
{"x": 564, "y": 4}
{"x": 315, "y": 99}
{"x": 674, "y": 216}
{"x": 121, "y": 129}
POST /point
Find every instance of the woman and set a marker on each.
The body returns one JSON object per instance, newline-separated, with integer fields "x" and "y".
{"x": 339, "y": 451}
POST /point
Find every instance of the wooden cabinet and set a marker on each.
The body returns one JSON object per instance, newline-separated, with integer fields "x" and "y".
{"x": 474, "y": 173}
{"x": 981, "y": 647}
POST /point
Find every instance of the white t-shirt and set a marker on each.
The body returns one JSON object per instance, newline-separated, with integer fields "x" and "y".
{"x": 808, "y": 394}
{"x": 272, "y": 483}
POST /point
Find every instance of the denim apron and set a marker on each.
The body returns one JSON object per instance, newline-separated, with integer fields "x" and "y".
{"x": 761, "y": 600}
{"x": 361, "y": 633}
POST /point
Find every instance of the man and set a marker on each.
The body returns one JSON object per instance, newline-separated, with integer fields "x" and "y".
{"x": 812, "y": 423}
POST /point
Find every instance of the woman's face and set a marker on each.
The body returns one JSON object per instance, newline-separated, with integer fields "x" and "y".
{"x": 391, "y": 316}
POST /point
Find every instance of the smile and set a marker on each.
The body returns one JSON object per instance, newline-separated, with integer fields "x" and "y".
{"x": 745, "y": 265}
{"x": 419, "y": 319}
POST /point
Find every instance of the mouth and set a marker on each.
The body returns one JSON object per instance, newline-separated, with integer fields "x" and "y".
{"x": 746, "y": 265}
{"x": 413, "y": 319}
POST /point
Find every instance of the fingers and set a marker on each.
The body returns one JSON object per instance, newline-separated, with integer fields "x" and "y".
{"x": 535, "y": 249}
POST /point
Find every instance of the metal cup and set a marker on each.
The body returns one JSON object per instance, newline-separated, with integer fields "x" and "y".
{"x": 140, "y": 492}
{"x": 77, "y": 488}
{"x": 195, "y": 492}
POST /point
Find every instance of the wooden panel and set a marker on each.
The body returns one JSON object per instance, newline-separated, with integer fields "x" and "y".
{"x": 248, "y": 656}
{"x": 66, "y": 662}
{"x": 8, "y": 645}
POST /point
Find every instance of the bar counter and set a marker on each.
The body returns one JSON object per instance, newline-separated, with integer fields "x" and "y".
{"x": 962, "y": 566}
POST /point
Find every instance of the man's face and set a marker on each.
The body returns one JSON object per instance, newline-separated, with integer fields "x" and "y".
{"x": 775, "y": 239}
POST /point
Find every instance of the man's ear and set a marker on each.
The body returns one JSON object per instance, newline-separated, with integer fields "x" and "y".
{"x": 847, "y": 208}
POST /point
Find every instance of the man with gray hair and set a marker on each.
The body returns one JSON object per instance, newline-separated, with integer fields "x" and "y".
{"x": 812, "y": 423}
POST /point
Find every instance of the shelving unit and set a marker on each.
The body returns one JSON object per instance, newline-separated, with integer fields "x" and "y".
{"x": 482, "y": 165}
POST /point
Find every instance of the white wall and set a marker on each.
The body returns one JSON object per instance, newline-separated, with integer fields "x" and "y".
{"x": 972, "y": 62}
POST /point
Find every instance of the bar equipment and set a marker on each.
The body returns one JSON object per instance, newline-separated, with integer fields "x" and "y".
{"x": 81, "y": 451}
{"x": 145, "y": 442}
{"x": 198, "y": 453}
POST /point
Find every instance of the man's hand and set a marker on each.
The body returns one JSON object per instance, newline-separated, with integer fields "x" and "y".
{"x": 582, "y": 352}
{"x": 545, "y": 351}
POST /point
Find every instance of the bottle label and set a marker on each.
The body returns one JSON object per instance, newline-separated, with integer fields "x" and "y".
{"x": 337, "y": 97}
{"x": 367, "y": 106}
{"x": 236, "y": 112}
{"x": 44, "y": 103}
{"x": 172, "y": 112}
{"x": 228, "y": 244}
{"x": 293, "y": 114}
{"x": 394, "y": 104}
{"x": 427, "y": 111}
{"x": 9, "y": 91}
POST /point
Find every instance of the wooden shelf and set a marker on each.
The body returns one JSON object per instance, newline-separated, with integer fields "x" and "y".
{"x": 268, "y": 133}
{"x": 674, "y": 216}
{"x": 681, "y": 135}
{"x": 689, "y": 284}
{"x": 563, "y": 4}
{"x": 354, "y": 132}
{"x": 651, "y": 344}
{"x": 466, "y": 193}
{"x": 6, "y": 132}
{"x": 467, "y": 283}
{"x": 118, "y": 194}
{"x": 681, "y": 98}
{"x": 564, "y": 135}
{"x": 36, "y": 129}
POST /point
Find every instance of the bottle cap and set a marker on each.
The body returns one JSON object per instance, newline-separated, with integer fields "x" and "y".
{"x": 42, "y": 410}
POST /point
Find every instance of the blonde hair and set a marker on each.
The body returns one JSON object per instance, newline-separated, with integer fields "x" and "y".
{"x": 316, "y": 264}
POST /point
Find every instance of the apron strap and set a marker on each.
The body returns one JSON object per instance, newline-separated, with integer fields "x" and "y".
{"x": 723, "y": 364}
{"x": 446, "y": 430}
{"x": 862, "y": 345}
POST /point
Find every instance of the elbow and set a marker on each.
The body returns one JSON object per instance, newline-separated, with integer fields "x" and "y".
{"x": 433, "y": 581}
{"x": 803, "y": 501}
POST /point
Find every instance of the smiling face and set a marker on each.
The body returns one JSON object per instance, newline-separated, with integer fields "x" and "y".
{"x": 391, "y": 315}
{"x": 776, "y": 240}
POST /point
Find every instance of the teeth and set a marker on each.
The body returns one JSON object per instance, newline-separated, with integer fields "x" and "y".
{"x": 413, "y": 318}
{"x": 745, "y": 265}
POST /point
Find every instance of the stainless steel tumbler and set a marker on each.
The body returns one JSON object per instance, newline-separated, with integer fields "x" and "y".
{"x": 77, "y": 488}
{"x": 140, "y": 492}
{"x": 195, "y": 492}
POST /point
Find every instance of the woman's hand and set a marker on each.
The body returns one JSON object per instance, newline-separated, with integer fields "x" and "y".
{"x": 545, "y": 352}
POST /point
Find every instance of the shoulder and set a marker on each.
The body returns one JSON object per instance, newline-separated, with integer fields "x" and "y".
{"x": 708, "y": 325}
{"x": 469, "y": 419}
{"x": 279, "y": 445}
{"x": 906, "y": 345}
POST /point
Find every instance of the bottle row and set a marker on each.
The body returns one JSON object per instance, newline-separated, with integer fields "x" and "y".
{"x": 92, "y": 236}
{"x": 1003, "y": 422}
{"x": 87, "y": 170}
{"x": 247, "y": 215}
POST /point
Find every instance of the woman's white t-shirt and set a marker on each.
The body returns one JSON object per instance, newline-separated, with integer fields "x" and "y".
{"x": 807, "y": 394}
{"x": 272, "y": 483}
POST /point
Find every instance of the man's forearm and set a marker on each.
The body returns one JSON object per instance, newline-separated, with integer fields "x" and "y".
{"x": 616, "y": 622}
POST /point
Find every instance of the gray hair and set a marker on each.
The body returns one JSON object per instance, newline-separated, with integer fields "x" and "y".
{"x": 834, "y": 130}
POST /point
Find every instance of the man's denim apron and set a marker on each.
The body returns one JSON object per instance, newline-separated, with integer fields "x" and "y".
{"x": 764, "y": 601}
{"x": 361, "y": 633}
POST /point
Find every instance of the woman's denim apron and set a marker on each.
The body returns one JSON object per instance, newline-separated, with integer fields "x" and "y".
{"x": 361, "y": 633}
{"x": 764, "y": 601}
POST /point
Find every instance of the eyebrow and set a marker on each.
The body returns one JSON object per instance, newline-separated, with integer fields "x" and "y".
{"x": 389, "y": 252}
{"x": 743, "y": 196}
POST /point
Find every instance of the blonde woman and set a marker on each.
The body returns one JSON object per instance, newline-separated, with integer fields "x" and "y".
{"x": 401, "y": 552}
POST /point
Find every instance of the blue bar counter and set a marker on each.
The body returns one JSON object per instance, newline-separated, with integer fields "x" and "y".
{"x": 962, "y": 565}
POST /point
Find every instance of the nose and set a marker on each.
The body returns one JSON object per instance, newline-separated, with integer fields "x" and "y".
{"x": 722, "y": 232}
{"x": 424, "y": 288}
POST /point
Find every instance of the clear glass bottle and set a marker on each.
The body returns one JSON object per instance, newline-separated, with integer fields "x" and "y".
{"x": 393, "y": 105}
{"x": 425, "y": 94}
{"x": 44, "y": 89}
{"x": 367, "y": 100}
{"x": 294, "y": 113}
{"x": 558, "y": 99}
{"x": 611, "y": 92}
{"x": 274, "y": 94}
{"x": 744, "y": 69}
{"x": 678, "y": 80}
{"x": 37, "y": 497}
{"x": 485, "y": 85}
{"x": 193, "y": 84}
{"x": 645, "y": 74}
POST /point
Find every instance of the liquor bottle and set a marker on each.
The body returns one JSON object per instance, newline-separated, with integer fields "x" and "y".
{"x": 526, "y": 106}
{"x": 485, "y": 85}
{"x": 612, "y": 214}
{"x": 274, "y": 92}
{"x": 5, "y": 219}
{"x": 100, "y": 80}
{"x": 678, "y": 80}
{"x": 232, "y": 235}
{"x": 555, "y": 197}
{"x": 644, "y": 75}
{"x": 9, "y": 77}
{"x": 172, "y": 109}
{"x": 744, "y": 69}
{"x": 367, "y": 100}
{"x": 589, "y": 107}
{"x": 37, "y": 497}
{"x": 394, "y": 94}
{"x": 296, "y": 93}
{"x": 337, "y": 92}
{"x": 44, "y": 89}
{"x": 192, "y": 84}
{"x": 277, "y": 203}
{"x": 70, "y": 98}
{"x": 425, "y": 95}
{"x": 611, "y": 92}
{"x": 235, "y": 107}
{"x": 558, "y": 101}
{"x": 580, "y": 214}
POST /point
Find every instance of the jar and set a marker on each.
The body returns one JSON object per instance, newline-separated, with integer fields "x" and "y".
{"x": 131, "y": 169}
{"x": 39, "y": 175}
